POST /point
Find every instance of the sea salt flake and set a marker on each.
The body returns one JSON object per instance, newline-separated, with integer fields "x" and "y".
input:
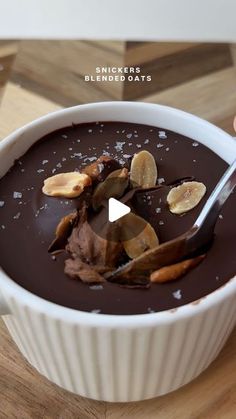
{"x": 126, "y": 156}
{"x": 146, "y": 141}
{"x": 217, "y": 278}
{"x": 40, "y": 170}
{"x": 96, "y": 287}
{"x": 138, "y": 145}
{"x": 96, "y": 310}
{"x": 162, "y": 135}
{"x": 53, "y": 257}
{"x": 117, "y": 132}
{"x": 101, "y": 131}
{"x": 90, "y": 159}
{"x": 3, "y": 227}
{"x": 129, "y": 135}
{"x": 195, "y": 144}
{"x": 160, "y": 180}
{"x": 130, "y": 144}
{"x": 90, "y": 131}
{"x": 64, "y": 136}
{"x": 167, "y": 148}
{"x": 78, "y": 141}
{"x": 150, "y": 310}
{"x": 36, "y": 214}
{"x": 119, "y": 145}
{"x": 17, "y": 216}
{"x": 17, "y": 195}
{"x": 100, "y": 167}
{"x": 158, "y": 210}
{"x": 136, "y": 135}
{"x": 54, "y": 170}
{"x": 159, "y": 145}
{"x": 122, "y": 162}
{"x": 161, "y": 223}
{"x": 44, "y": 162}
{"x": 59, "y": 165}
{"x": 22, "y": 170}
{"x": 221, "y": 216}
{"x": 2, "y": 203}
{"x": 177, "y": 294}
{"x": 63, "y": 159}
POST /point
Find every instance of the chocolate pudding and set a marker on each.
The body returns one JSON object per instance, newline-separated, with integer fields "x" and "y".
{"x": 29, "y": 217}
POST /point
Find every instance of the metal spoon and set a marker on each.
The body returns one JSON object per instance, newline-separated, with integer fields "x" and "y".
{"x": 195, "y": 239}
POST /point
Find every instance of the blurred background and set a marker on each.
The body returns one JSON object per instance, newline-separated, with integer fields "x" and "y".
{"x": 197, "y": 77}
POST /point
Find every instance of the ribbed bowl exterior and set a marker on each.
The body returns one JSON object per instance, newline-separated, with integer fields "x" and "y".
{"x": 121, "y": 364}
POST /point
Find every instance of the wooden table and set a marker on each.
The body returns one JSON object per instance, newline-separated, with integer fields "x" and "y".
{"x": 24, "y": 394}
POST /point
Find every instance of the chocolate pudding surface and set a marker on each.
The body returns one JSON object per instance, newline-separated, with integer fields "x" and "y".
{"x": 28, "y": 218}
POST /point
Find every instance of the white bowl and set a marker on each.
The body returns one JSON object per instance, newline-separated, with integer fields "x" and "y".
{"x": 113, "y": 357}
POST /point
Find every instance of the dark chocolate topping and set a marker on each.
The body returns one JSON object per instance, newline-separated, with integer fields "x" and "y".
{"x": 28, "y": 218}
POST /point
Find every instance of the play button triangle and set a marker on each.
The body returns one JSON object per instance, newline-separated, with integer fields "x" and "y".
{"x": 116, "y": 210}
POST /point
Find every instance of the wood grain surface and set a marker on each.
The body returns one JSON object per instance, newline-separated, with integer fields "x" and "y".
{"x": 56, "y": 69}
{"x": 24, "y": 394}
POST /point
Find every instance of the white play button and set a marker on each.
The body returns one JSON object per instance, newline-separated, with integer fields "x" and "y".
{"x": 116, "y": 209}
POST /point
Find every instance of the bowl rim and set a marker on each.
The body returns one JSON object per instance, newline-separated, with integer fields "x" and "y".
{"x": 10, "y": 288}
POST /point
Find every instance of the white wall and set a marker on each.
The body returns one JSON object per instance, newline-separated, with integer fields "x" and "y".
{"x": 201, "y": 20}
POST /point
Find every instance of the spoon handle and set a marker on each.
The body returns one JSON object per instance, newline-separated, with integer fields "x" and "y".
{"x": 206, "y": 220}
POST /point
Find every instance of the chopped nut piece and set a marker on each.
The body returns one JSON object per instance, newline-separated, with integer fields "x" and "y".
{"x": 173, "y": 272}
{"x": 185, "y": 197}
{"x": 113, "y": 186}
{"x": 68, "y": 185}
{"x": 101, "y": 168}
{"x": 63, "y": 230}
{"x": 143, "y": 170}
{"x": 137, "y": 235}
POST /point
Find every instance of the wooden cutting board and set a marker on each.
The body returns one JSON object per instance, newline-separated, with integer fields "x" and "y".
{"x": 25, "y": 394}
